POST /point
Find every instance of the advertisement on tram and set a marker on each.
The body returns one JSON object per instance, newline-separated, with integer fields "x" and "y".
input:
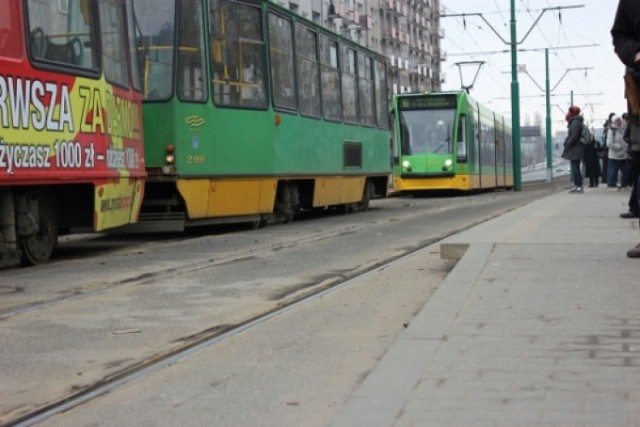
{"x": 71, "y": 152}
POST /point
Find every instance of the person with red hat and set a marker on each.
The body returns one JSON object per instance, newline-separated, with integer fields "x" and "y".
{"x": 573, "y": 148}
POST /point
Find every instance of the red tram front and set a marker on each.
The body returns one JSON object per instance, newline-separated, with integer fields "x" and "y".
{"x": 71, "y": 151}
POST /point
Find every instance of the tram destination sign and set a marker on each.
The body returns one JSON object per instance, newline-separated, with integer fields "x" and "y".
{"x": 427, "y": 102}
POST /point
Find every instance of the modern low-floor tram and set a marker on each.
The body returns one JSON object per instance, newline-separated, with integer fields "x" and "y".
{"x": 448, "y": 141}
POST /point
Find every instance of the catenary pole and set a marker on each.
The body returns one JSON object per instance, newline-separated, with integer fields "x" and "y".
{"x": 515, "y": 104}
{"x": 548, "y": 119}
{"x": 515, "y": 88}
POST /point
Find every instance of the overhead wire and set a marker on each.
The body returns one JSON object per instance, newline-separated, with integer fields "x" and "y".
{"x": 468, "y": 22}
{"x": 551, "y": 38}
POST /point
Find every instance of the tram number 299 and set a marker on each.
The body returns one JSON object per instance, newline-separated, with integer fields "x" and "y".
{"x": 195, "y": 159}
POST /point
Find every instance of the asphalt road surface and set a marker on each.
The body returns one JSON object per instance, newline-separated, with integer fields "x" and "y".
{"x": 118, "y": 308}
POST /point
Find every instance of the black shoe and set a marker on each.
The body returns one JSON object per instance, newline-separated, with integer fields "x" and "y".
{"x": 628, "y": 215}
{"x": 634, "y": 253}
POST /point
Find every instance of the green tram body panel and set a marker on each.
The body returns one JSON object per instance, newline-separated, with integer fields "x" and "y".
{"x": 448, "y": 141}
{"x": 212, "y": 141}
{"x": 223, "y": 154}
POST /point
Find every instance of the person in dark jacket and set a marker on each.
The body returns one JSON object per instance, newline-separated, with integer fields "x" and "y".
{"x": 633, "y": 155}
{"x": 625, "y": 33}
{"x": 604, "y": 149}
{"x": 573, "y": 148}
{"x": 592, "y": 162}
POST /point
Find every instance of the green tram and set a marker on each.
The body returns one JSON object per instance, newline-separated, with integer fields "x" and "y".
{"x": 252, "y": 114}
{"x": 447, "y": 141}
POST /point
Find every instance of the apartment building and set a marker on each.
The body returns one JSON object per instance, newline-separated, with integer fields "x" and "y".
{"x": 407, "y": 32}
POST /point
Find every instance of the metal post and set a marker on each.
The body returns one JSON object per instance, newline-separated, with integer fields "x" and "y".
{"x": 548, "y": 122}
{"x": 515, "y": 104}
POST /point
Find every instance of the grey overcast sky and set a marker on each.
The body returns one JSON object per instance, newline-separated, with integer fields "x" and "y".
{"x": 581, "y": 57}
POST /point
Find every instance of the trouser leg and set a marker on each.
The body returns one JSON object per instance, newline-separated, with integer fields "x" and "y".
{"x": 634, "y": 175}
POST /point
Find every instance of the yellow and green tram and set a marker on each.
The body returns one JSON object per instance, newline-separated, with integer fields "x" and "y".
{"x": 448, "y": 141}
{"x": 252, "y": 113}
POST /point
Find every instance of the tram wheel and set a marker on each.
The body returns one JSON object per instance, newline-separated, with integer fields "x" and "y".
{"x": 368, "y": 193}
{"x": 346, "y": 209}
{"x": 259, "y": 223}
{"x": 38, "y": 247}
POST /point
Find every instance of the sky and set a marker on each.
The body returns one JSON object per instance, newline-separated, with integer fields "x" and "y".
{"x": 582, "y": 63}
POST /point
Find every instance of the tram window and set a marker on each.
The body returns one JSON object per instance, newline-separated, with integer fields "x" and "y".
{"x": 133, "y": 51}
{"x": 281, "y": 55}
{"x": 191, "y": 70}
{"x": 308, "y": 71}
{"x": 462, "y": 138}
{"x": 475, "y": 148}
{"x": 114, "y": 46}
{"x": 365, "y": 85}
{"x": 10, "y": 45}
{"x": 237, "y": 54}
{"x": 349, "y": 88}
{"x": 331, "y": 105}
{"x": 63, "y": 35}
{"x": 154, "y": 29}
{"x": 382, "y": 105}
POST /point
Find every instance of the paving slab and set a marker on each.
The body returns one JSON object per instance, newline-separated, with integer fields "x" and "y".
{"x": 538, "y": 324}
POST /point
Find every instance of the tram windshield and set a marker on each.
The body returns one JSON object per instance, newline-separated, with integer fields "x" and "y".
{"x": 427, "y": 131}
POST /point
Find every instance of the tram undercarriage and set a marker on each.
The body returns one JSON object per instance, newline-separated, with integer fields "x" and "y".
{"x": 28, "y": 227}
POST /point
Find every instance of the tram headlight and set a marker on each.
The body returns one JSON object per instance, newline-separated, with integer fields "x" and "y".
{"x": 170, "y": 157}
{"x": 447, "y": 165}
{"x": 406, "y": 164}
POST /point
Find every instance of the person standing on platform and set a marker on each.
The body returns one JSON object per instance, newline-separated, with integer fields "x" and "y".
{"x": 592, "y": 162}
{"x": 617, "y": 155}
{"x": 603, "y": 149}
{"x": 573, "y": 148}
{"x": 626, "y": 42}
{"x": 633, "y": 156}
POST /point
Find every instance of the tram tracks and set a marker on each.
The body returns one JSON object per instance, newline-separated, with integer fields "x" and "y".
{"x": 203, "y": 340}
{"x": 95, "y": 289}
{"x": 102, "y": 287}
{"x": 218, "y": 329}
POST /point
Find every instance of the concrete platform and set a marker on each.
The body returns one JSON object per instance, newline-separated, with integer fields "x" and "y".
{"x": 538, "y": 324}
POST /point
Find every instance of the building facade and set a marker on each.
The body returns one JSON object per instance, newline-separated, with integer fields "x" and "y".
{"x": 407, "y": 32}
